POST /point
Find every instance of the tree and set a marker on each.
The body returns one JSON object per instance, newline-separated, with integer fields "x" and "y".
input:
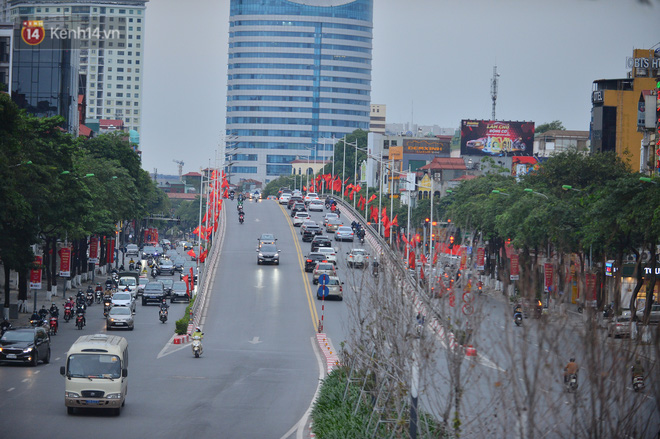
{"x": 554, "y": 125}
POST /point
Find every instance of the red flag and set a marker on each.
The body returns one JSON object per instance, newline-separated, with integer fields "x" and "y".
{"x": 304, "y": 188}
{"x": 192, "y": 254}
{"x": 336, "y": 184}
{"x": 404, "y": 239}
{"x": 421, "y": 272}
{"x": 185, "y": 279}
{"x": 435, "y": 253}
{"x": 371, "y": 198}
{"x": 202, "y": 257}
{"x": 411, "y": 260}
{"x": 196, "y": 231}
{"x": 361, "y": 202}
{"x": 225, "y": 183}
{"x": 423, "y": 259}
{"x": 395, "y": 221}
{"x": 357, "y": 188}
{"x": 347, "y": 190}
{"x": 374, "y": 213}
{"x": 226, "y": 194}
{"x": 192, "y": 279}
{"x": 386, "y": 232}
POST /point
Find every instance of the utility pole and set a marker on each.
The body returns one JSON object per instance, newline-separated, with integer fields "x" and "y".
{"x": 493, "y": 89}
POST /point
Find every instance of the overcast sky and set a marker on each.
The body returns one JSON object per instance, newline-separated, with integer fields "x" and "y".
{"x": 432, "y": 62}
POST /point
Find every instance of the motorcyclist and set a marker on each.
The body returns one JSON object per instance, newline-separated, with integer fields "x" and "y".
{"x": 4, "y": 325}
{"x": 163, "y": 305}
{"x": 43, "y": 312}
{"x": 198, "y": 333}
{"x": 517, "y": 309}
{"x": 360, "y": 234}
{"x": 35, "y": 317}
{"x": 80, "y": 310}
{"x": 131, "y": 265}
{"x": 570, "y": 369}
{"x": 54, "y": 310}
{"x": 637, "y": 369}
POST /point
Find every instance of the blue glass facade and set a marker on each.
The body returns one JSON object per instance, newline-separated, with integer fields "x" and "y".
{"x": 308, "y": 67}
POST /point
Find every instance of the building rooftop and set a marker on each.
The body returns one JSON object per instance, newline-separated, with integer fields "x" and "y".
{"x": 442, "y": 163}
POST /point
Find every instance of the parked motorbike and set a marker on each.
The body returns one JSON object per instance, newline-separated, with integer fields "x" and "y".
{"x": 638, "y": 383}
{"x": 571, "y": 383}
{"x": 53, "y": 324}
{"x": 162, "y": 315}
{"x": 197, "y": 346}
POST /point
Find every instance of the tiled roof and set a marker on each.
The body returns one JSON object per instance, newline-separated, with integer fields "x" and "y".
{"x": 106, "y": 123}
{"x": 441, "y": 163}
{"x": 465, "y": 177}
{"x": 179, "y": 196}
{"x": 192, "y": 174}
{"x": 84, "y": 131}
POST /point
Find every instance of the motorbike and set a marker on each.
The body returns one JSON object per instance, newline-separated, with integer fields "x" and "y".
{"x": 106, "y": 308}
{"x": 638, "y": 383}
{"x": 4, "y": 326}
{"x": 162, "y": 315}
{"x": 197, "y": 346}
{"x": 38, "y": 322}
{"x": 80, "y": 320}
{"x": 517, "y": 319}
{"x": 68, "y": 312}
{"x": 154, "y": 272}
{"x": 131, "y": 266}
{"x": 571, "y": 383}
{"x": 241, "y": 218}
{"x": 98, "y": 295}
{"x": 375, "y": 269}
{"x": 53, "y": 325}
{"x": 90, "y": 298}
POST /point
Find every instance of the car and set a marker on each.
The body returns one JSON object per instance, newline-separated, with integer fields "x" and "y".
{"x": 166, "y": 243}
{"x": 119, "y": 317}
{"x": 328, "y": 216}
{"x": 172, "y": 253}
{"x": 620, "y": 326}
{"x": 333, "y": 224}
{"x": 344, "y": 233}
{"x": 154, "y": 292}
{"x": 128, "y": 281}
{"x": 142, "y": 282}
{"x": 284, "y": 198}
{"x": 654, "y": 318}
{"x": 179, "y": 262}
{"x": 312, "y": 259}
{"x": 121, "y": 298}
{"x": 330, "y": 254}
{"x": 25, "y": 345}
{"x": 148, "y": 250}
{"x": 335, "y": 289}
{"x": 323, "y": 268}
{"x": 310, "y": 232}
{"x": 357, "y": 258}
{"x": 167, "y": 284}
{"x": 316, "y": 206}
{"x": 266, "y": 238}
{"x": 179, "y": 292}
{"x": 298, "y": 207}
{"x": 132, "y": 249}
{"x": 306, "y": 223}
{"x": 268, "y": 254}
{"x": 300, "y": 218}
{"x": 320, "y": 241}
{"x": 165, "y": 266}
{"x": 311, "y": 196}
{"x": 294, "y": 198}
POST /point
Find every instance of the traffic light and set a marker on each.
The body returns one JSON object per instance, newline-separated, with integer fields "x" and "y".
{"x": 451, "y": 242}
{"x": 426, "y": 223}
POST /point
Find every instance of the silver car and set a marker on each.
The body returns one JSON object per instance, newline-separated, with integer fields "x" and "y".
{"x": 344, "y": 233}
{"x": 119, "y": 317}
{"x": 619, "y": 326}
{"x": 123, "y": 299}
{"x": 335, "y": 289}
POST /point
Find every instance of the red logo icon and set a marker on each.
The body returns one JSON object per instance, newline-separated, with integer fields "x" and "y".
{"x": 33, "y": 32}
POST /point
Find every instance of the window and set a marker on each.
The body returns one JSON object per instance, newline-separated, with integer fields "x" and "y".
{"x": 119, "y": 52}
{"x": 135, "y": 104}
{"x": 108, "y": 102}
{"x": 128, "y": 95}
{"x": 109, "y": 77}
{"x": 120, "y": 78}
{"x": 137, "y": 95}
{"x": 120, "y": 86}
{"x": 119, "y": 102}
{"x": 119, "y": 95}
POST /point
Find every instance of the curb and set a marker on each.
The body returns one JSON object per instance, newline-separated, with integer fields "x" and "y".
{"x": 328, "y": 351}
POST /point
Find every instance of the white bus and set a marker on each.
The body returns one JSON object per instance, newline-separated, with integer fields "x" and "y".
{"x": 96, "y": 373}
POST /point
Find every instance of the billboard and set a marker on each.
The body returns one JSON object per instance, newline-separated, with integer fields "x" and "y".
{"x": 426, "y": 145}
{"x": 497, "y": 138}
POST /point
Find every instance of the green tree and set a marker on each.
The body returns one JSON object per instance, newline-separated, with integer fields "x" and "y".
{"x": 554, "y": 125}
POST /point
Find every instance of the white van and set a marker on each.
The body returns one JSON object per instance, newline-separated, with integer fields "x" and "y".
{"x": 96, "y": 373}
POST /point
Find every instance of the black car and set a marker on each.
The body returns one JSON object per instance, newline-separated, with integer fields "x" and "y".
{"x": 179, "y": 292}
{"x": 154, "y": 292}
{"x": 310, "y": 232}
{"x": 294, "y": 199}
{"x": 268, "y": 254}
{"x": 178, "y": 263}
{"x": 167, "y": 284}
{"x": 25, "y": 345}
{"x": 298, "y": 206}
{"x": 312, "y": 259}
{"x": 165, "y": 266}
{"x": 320, "y": 241}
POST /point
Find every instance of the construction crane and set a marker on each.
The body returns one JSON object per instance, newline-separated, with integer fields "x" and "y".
{"x": 180, "y": 163}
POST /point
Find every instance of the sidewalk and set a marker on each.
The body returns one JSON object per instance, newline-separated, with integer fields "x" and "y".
{"x": 43, "y": 296}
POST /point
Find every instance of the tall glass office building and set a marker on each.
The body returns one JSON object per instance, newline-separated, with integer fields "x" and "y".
{"x": 299, "y": 78}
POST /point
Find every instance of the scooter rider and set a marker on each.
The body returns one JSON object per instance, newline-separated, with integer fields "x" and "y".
{"x": 637, "y": 369}
{"x": 163, "y": 305}
{"x": 35, "y": 317}
{"x": 43, "y": 312}
{"x": 198, "y": 333}
{"x": 570, "y": 369}
{"x": 54, "y": 310}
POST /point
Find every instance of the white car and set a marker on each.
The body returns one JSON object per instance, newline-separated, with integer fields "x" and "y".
{"x": 311, "y": 196}
{"x": 300, "y": 218}
{"x": 123, "y": 299}
{"x": 357, "y": 258}
{"x": 329, "y": 253}
{"x": 316, "y": 205}
{"x": 284, "y": 198}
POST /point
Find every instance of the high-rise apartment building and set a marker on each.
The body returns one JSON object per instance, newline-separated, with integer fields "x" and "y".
{"x": 110, "y": 40}
{"x": 299, "y": 79}
{"x": 377, "y": 118}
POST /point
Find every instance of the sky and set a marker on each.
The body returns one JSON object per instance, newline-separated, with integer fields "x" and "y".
{"x": 432, "y": 64}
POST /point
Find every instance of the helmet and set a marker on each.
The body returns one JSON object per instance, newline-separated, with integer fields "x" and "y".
{"x": 198, "y": 329}
{"x": 572, "y": 360}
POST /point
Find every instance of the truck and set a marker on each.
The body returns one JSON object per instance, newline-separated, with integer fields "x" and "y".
{"x": 96, "y": 373}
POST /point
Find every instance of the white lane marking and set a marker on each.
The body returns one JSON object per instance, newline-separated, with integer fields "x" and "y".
{"x": 11, "y": 389}
{"x": 299, "y": 427}
{"x": 25, "y": 380}
{"x": 36, "y": 371}
{"x": 255, "y": 340}
{"x": 57, "y": 359}
{"x": 162, "y": 352}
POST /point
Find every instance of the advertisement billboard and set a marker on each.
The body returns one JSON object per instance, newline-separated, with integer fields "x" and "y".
{"x": 496, "y": 138}
{"x": 426, "y": 145}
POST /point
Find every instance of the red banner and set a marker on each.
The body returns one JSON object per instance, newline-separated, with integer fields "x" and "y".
{"x": 463, "y": 257}
{"x": 548, "y": 269}
{"x": 111, "y": 250}
{"x": 515, "y": 268}
{"x": 93, "y": 249}
{"x": 590, "y": 295}
{"x": 481, "y": 253}
{"x": 35, "y": 274}
{"x": 65, "y": 262}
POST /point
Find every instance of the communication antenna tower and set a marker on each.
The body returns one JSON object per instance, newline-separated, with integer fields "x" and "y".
{"x": 493, "y": 89}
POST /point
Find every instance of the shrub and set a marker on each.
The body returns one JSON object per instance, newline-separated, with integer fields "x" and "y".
{"x": 182, "y": 323}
